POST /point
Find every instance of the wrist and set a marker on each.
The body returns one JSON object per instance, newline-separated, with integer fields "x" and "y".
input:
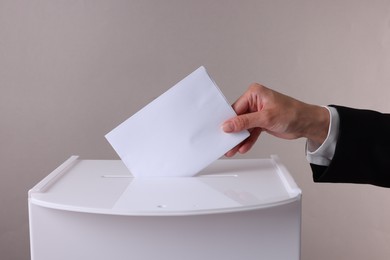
{"x": 317, "y": 120}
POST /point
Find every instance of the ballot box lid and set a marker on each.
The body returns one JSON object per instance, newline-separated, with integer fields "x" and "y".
{"x": 107, "y": 187}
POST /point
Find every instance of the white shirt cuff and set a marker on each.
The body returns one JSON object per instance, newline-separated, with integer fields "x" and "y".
{"x": 323, "y": 154}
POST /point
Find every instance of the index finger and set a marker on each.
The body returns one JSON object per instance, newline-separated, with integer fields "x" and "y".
{"x": 241, "y": 105}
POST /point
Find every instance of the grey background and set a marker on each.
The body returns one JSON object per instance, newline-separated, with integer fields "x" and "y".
{"x": 72, "y": 70}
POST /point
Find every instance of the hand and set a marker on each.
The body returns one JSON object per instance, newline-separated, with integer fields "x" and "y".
{"x": 262, "y": 109}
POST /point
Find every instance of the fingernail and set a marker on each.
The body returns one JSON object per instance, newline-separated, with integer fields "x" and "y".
{"x": 227, "y": 127}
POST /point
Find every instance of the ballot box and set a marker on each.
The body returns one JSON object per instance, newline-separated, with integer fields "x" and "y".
{"x": 233, "y": 209}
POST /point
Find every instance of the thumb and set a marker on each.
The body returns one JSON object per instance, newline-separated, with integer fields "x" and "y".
{"x": 240, "y": 123}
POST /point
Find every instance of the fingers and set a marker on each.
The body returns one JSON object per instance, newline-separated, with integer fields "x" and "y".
{"x": 241, "y": 105}
{"x": 249, "y": 118}
{"x": 233, "y": 151}
{"x": 250, "y": 141}
{"x": 241, "y": 122}
{"x": 247, "y": 144}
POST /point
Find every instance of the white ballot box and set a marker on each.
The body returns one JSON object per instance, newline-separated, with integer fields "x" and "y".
{"x": 239, "y": 209}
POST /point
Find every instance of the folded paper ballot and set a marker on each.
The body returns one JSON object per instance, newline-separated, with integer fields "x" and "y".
{"x": 179, "y": 133}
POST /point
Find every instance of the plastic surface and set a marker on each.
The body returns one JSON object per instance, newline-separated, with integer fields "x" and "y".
{"x": 234, "y": 209}
{"x": 107, "y": 187}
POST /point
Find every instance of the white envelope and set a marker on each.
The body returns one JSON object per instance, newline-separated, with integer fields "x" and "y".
{"x": 179, "y": 133}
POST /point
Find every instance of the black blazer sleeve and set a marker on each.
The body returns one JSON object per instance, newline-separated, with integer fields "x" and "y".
{"x": 362, "y": 152}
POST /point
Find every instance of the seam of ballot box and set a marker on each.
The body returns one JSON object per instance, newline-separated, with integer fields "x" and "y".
{"x": 110, "y": 212}
{"x": 54, "y": 176}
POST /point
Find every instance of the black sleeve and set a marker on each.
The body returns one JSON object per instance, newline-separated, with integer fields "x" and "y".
{"x": 362, "y": 152}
